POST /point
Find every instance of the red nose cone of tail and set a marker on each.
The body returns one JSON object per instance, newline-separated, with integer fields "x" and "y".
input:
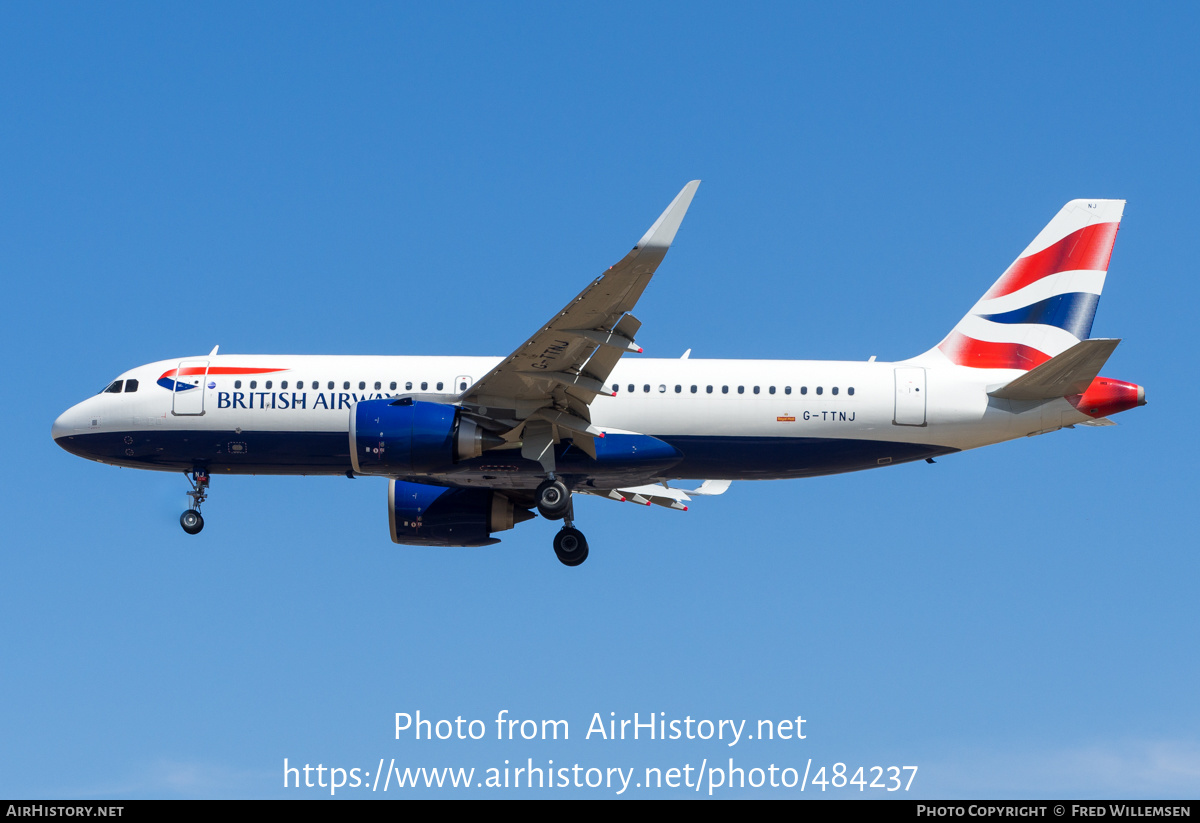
{"x": 1106, "y": 396}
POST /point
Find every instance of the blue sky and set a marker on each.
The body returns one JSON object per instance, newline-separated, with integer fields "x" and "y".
{"x": 389, "y": 179}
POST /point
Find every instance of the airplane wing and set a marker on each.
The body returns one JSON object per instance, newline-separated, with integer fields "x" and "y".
{"x": 659, "y": 494}
{"x": 541, "y": 392}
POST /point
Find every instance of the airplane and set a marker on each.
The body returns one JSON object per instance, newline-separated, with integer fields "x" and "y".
{"x": 472, "y": 446}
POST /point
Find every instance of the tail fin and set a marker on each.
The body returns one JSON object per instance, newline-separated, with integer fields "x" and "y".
{"x": 1044, "y": 302}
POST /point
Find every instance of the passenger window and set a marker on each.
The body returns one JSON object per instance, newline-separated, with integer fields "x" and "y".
{"x": 850, "y": 391}
{"x": 741, "y": 389}
{"x": 268, "y": 384}
{"x": 616, "y": 388}
{"x": 724, "y": 390}
{"x": 424, "y": 386}
{"x": 130, "y": 386}
{"x": 283, "y": 385}
{"x": 820, "y": 390}
{"x": 833, "y": 390}
{"x": 237, "y": 384}
{"x": 678, "y": 389}
{"x": 646, "y": 388}
{"x": 331, "y": 385}
{"x": 462, "y": 386}
{"x": 788, "y": 390}
{"x": 439, "y": 386}
{"x": 631, "y": 387}
{"x": 662, "y": 388}
{"x": 362, "y": 384}
{"x": 378, "y": 385}
{"x": 804, "y": 389}
{"x": 392, "y": 387}
{"x": 756, "y": 389}
{"x": 254, "y": 384}
{"x": 772, "y": 390}
{"x": 709, "y": 389}
{"x": 345, "y": 385}
{"x": 693, "y": 389}
{"x": 408, "y": 386}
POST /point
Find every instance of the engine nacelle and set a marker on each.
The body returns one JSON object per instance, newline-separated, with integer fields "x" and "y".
{"x": 424, "y": 515}
{"x": 412, "y": 437}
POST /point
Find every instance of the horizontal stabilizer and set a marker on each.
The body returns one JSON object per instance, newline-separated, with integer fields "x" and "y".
{"x": 1063, "y": 375}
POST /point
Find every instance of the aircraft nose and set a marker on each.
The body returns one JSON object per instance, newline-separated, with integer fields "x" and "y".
{"x": 67, "y": 423}
{"x": 60, "y": 428}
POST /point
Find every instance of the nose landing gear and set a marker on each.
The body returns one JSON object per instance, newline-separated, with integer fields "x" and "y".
{"x": 191, "y": 520}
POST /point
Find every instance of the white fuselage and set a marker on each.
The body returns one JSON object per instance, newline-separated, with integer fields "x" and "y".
{"x": 760, "y": 419}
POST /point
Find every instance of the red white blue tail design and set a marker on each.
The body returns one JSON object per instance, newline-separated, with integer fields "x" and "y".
{"x": 1045, "y": 301}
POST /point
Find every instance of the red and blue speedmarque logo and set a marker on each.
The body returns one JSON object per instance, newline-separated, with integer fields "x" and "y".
{"x": 169, "y": 379}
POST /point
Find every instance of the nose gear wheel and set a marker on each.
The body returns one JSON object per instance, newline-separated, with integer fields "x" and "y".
{"x": 190, "y": 520}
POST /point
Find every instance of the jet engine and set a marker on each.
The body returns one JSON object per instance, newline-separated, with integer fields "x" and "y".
{"x": 409, "y": 436}
{"x": 424, "y": 515}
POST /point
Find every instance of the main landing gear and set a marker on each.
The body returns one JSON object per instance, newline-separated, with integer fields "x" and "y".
{"x": 553, "y": 499}
{"x": 570, "y": 546}
{"x": 554, "y": 503}
{"x": 191, "y": 520}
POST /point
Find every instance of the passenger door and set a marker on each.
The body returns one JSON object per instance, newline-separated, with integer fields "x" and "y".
{"x": 910, "y": 397}
{"x": 188, "y": 396}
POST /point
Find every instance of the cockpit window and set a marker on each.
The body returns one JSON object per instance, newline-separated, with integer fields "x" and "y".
{"x": 130, "y": 385}
{"x": 114, "y": 387}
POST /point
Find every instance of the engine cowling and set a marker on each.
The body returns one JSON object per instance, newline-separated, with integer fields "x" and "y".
{"x": 412, "y": 437}
{"x": 425, "y": 515}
